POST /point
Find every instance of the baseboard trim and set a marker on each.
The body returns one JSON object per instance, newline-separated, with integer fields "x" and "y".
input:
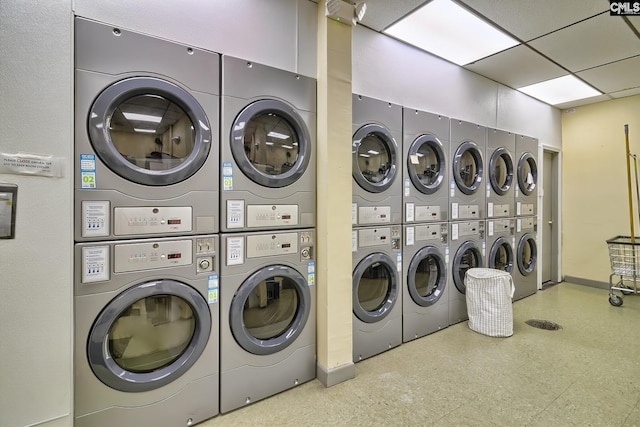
{"x": 586, "y": 282}
{"x": 336, "y": 375}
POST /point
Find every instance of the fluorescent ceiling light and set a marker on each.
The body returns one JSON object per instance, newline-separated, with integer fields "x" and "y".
{"x": 269, "y": 143}
{"x": 374, "y": 152}
{"x": 142, "y": 117}
{"x": 364, "y": 155}
{"x": 451, "y": 32}
{"x": 562, "y": 89}
{"x": 278, "y": 135}
{"x": 288, "y": 147}
{"x": 144, "y": 130}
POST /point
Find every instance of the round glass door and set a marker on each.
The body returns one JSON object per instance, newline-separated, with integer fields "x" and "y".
{"x": 501, "y": 255}
{"x": 466, "y": 257}
{"x": 149, "y": 335}
{"x": 375, "y": 155}
{"x": 270, "y": 309}
{"x": 501, "y": 171}
{"x": 426, "y": 164}
{"x": 527, "y": 174}
{"x": 527, "y": 254}
{"x": 270, "y": 143}
{"x": 427, "y": 276}
{"x": 149, "y": 131}
{"x": 468, "y": 167}
{"x": 375, "y": 287}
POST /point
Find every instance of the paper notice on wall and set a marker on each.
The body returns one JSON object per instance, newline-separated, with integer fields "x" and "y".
{"x": 32, "y": 164}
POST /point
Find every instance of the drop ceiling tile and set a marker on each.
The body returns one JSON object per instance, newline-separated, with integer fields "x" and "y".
{"x": 625, "y": 93}
{"x": 382, "y": 13}
{"x": 529, "y": 19}
{"x": 635, "y": 21}
{"x": 585, "y": 101}
{"x": 590, "y": 43}
{"x": 517, "y": 67}
{"x": 621, "y": 75}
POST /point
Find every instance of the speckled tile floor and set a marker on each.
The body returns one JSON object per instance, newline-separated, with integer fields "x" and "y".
{"x": 587, "y": 374}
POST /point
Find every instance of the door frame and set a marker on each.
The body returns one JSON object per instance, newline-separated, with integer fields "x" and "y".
{"x": 556, "y": 243}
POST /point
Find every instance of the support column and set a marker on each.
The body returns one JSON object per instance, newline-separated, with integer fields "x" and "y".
{"x": 334, "y": 288}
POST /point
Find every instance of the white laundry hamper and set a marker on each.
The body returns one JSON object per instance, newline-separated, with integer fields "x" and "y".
{"x": 489, "y": 294}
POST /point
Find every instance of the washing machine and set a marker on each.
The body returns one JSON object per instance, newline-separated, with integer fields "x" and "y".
{"x": 526, "y": 192}
{"x": 467, "y": 250}
{"x": 377, "y": 294}
{"x": 268, "y": 146}
{"x": 500, "y": 243}
{"x": 146, "y": 331}
{"x": 525, "y": 276}
{"x": 146, "y": 135}
{"x": 425, "y": 298}
{"x": 268, "y": 314}
{"x": 425, "y": 150}
{"x": 377, "y": 164}
{"x": 501, "y": 147}
{"x": 467, "y": 197}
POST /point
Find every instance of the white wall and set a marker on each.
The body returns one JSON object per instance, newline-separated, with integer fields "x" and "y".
{"x": 279, "y": 33}
{"x": 386, "y": 69}
{"x": 36, "y": 272}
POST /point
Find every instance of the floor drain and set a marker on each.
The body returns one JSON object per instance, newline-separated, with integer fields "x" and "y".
{"x": 543, "y": 324}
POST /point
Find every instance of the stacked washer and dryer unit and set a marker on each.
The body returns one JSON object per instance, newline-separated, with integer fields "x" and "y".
{"x": 146, "y": 216}
{"x": 500, "y": 227}
{"x": 425, "y": 195}
{"x": 268, "y": 211}
{"x": 376, "y": 226}
{"x": 526, "y": 199}
{"x": 467, "y": 201}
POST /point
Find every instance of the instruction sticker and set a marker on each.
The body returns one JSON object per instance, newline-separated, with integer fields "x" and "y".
{"x": 399, "y": 261}
{"x": 490, "y": 209}
{"x": 446, "y": 254}
{"x": 410, "y": 211}
{"x": 235, "y": 250}
{"x": 407, "y": 187}
{"x": 227, "y": 176}
{"x": 311, "y": 273}
{"x": 453, "y": 189}
{"x": 213, "y": 286}
{"x": 354, "y": 241}
{"x": 354, "y": 214}
{"x": 410, "y": 236}
{"x": 454, "y": 211}
{"x": 235, "y": 213}
{"x": 490, "y": 228}
{"x": 454, "y": 231}
{"x": 88, "y": 170}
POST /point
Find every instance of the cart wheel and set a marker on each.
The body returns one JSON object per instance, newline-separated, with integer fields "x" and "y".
{"x": 629, "y": 292}
{"x": 615, "y": 300}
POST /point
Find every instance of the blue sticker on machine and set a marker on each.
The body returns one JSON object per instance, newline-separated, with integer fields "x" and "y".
{"x": 311, "y": 273}
{"x": 227, "y": 176}
{"x": 212, "y": 286}
{"x": 88, "y": 170}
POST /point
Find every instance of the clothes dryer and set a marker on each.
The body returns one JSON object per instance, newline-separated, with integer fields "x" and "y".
{"x": 377, "y": 294}
{"x": 425, "y": 299}
{"x": 467, "y": 250}
{"x": 377, "y": 164}
{"x": 467, "y": 197}
{"x": 526, "y": 192}
{"x": 501, "y": 147}
{"x": 268, "y": 146}
{"x": 268, "y": 317}
{"x": 146, "y": 135}
{"x": 525, "y": 276}
{"x": 146, "y": 332}
{"x": 425, "y": 196}
{"x": 501, "y": 241}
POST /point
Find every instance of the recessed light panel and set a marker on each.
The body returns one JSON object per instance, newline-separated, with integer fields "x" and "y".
{"x": 451, "y": 32}
{"x": 562, "y": 89}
